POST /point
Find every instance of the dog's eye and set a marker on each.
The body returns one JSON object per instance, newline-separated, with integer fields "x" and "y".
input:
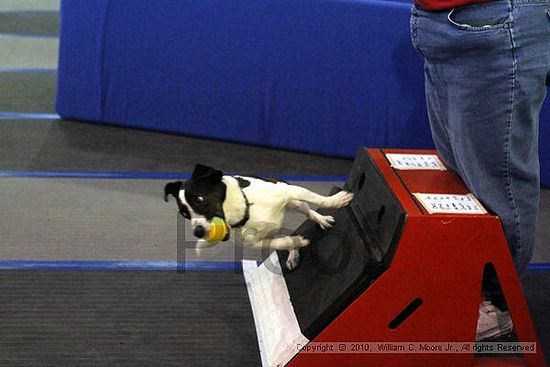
{"x": 199, "y": 200}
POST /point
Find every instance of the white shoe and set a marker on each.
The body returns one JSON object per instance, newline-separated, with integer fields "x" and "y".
{"x": 492, "y": 322}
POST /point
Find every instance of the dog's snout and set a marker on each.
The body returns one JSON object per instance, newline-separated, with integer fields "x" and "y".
{"x": 199, "y": 231}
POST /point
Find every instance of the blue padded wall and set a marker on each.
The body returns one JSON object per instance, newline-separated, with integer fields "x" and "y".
{"x": 320, "y": 76}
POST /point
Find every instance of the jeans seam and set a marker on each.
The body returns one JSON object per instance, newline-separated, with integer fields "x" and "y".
{"x": 414, "y": 31}
{"x": 507, "y": 175}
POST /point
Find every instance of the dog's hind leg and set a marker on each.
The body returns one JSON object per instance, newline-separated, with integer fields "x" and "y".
{"x": 288, "y": 243}
{"x": 324, "y": 221}
{"x": 337, "y": 200}
{"x": 279, "y": 243}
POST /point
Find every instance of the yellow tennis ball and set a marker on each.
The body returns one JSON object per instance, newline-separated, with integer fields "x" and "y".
{"x": 218, "y": 230}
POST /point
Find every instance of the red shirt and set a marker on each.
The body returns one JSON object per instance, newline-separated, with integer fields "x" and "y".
{"x": 439, "y": 5}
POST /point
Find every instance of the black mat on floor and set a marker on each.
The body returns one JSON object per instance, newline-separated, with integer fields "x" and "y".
{"x": 37, "y": 23}
{"x": 150, "y": 318}
{"x": 66, "y": 145}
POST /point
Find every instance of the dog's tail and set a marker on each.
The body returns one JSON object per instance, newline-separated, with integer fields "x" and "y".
{"x": 172, "y": 188}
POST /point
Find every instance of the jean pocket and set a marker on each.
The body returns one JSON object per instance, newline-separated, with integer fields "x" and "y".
{"x": 482, "y": 17}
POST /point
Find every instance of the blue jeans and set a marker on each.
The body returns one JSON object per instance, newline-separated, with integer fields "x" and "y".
{"x": 485, "y": 71}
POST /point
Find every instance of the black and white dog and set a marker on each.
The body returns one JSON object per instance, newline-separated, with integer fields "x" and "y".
{"x": 254, "y": 205}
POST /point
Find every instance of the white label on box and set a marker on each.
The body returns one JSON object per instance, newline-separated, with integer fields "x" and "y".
{"x": 415, "y": 161}
{"x": 450, "y": 203}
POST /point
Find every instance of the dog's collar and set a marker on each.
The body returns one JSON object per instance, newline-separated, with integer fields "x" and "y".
{"x": 246, "y": 217}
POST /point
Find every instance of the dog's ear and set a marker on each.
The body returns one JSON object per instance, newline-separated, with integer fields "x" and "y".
{"x": 204, "y": 172}
{"x": 172, "y": 188}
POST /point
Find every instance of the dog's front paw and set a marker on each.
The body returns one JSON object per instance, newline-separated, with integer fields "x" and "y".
{"x": 324, "y": 221}
{"x": 341, "y": 199}
{"x": 293, "y": 260}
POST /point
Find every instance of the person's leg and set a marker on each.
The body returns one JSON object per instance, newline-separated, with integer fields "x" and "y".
{"x": 531, "y": 35}
{"x": 485, "y": 67}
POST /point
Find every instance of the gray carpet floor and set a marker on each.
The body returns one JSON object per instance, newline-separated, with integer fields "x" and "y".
{"x": 28, "y": 91}
{"x": 56, "y": 145}
{"x": 104, "y": 219}
{"x": 36, "y": 23}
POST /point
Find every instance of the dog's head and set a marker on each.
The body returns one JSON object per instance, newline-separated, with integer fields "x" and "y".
{"x": 200, "y": 198}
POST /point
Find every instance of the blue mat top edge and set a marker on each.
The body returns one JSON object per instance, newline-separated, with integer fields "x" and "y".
{"x": 149, "y": 175}
{"x": 135, "y": 265}
{"x": 158, "y": 265}
{"x": 6, "y": 115}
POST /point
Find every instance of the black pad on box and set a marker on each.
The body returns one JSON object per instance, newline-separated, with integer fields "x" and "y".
{"x": 342, "y": 262}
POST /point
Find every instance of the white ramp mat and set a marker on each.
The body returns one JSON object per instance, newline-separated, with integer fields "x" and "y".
{"x": 279, "y": 335}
